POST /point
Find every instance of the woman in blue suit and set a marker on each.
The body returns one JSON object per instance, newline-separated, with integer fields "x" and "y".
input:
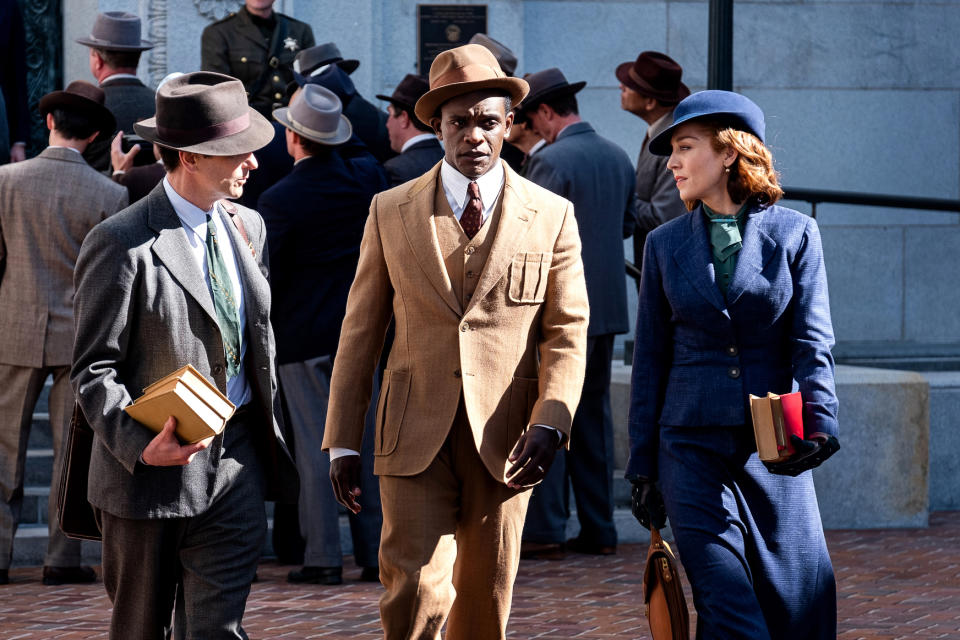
{"x": 733, "y": 301}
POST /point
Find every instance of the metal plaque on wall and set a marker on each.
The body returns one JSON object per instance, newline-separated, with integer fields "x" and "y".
{"x": 445, "y": 26}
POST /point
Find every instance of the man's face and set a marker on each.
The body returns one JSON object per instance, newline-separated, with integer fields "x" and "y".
{"x": 257, "y": 6}
{"x": 539, "y": 123}
{"x": 224, "y": 176}
{"x": 395, "y": 128}
{"x": 472, "y": 128}
{"x": 630, "y": 100}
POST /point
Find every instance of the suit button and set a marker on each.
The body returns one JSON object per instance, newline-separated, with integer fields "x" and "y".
{"x": 217, "y": 368}
{"x": 278, "y": 96}
{"x": 732, "y": 350}
{"x": 276, "y": 78}
{"x": 469, "y": 274}
{"x": 456, "y": 374}
{"x": 733, "y": 372}
{"x": 243, "y": 59}
{"x": 464, "y": 327}
{"x": 469, "y": 250}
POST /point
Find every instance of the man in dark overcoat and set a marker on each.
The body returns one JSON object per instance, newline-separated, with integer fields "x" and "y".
{"x": 115, "y": 47}
{"x": 597, "y": 177}
{"x": 257, "y": 45}
{"x": 314, "y": 249}
{"x": 415, "y": 142}
{"x": 180, "y": 278}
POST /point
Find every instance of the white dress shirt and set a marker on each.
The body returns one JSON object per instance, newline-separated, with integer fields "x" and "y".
{"x": 417, "y": 140}
{"x": 194, "y": 221}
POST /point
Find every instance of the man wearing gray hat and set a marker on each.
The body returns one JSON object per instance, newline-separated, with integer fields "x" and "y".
{"x": 314, "y": 249}
{"x": 180, "y": 278}
{"x": 115, "y": 47}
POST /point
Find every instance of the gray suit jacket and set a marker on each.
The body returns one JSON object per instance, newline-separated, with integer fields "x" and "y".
{"x": 143, "y": 309}
{"x": 598, "y": 177}
{"x": 658, "y": 200}
{"x": 47, "y": 206}
{"x": 129, "y": 100}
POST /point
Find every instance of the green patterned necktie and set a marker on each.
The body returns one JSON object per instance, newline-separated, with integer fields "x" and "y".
{"x": 223, "y": 300}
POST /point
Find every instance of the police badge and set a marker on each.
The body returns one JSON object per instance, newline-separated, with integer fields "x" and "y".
{"x": 291, "y": 43}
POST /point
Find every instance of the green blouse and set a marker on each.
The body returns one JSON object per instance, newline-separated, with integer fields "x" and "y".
{"x": 726, "y": 234}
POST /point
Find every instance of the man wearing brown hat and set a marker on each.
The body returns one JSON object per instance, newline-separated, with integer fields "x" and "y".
{"x": 180, "y": 278}
{"x": 115, "y": 48}
{"x": 415, "y": 143}
{"x": 257, "y": 45}
{"x": 597, "y": 176}
{"x": 47, "y": 206}
{"x": 481, "y": 271}
{"x": 650, "y": 88}
{"x": 314, "y": 248}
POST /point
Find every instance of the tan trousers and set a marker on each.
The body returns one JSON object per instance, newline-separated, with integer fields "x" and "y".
{"x": 450, "y": 546}
{"x": 20, "y": 388}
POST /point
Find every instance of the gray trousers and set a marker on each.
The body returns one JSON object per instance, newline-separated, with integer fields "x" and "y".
{"x": 202, "y": 564}
{"x": 306, "y": 389}
{"x": 20, "y": 388}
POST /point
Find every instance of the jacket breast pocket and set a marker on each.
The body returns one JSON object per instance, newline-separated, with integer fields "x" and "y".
{"x": 529, "y": 273}
{"x": 390, "y": 408}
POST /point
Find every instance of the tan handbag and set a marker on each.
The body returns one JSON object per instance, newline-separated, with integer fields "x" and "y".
{"x": 666, "y": 606}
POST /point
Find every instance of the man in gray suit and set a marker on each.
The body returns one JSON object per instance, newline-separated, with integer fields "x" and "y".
{"x": 597, "y": 177}
{"x": 47, "y": 206}
{"x": 179, "y": 278}
{"x": 650, "y": 88}
{"x": 115, "y": 48}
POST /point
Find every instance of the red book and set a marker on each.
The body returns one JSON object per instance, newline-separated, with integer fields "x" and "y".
{"x": 775, "y": 419}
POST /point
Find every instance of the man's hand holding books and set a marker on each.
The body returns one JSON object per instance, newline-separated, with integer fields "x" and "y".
{"x": 165, "y": 449}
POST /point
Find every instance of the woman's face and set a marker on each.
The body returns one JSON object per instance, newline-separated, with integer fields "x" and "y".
{"x": 697, "y": 167}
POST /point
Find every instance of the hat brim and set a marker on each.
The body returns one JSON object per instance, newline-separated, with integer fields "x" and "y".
{"x": 103, "y": 117}
{"x": 106, "y": 45}
{"x": 660, "y": 144}
{"x": 623, "y": 75}
{"x": 555, "y": 92}
{"x": 349, "y": 66}
{"x": 256, "y": 136}
{"x": 429, "y": 102}
{"x": 342, "y": 134}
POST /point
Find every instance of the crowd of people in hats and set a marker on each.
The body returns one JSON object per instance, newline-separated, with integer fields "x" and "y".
{"x": 413, "y": 312}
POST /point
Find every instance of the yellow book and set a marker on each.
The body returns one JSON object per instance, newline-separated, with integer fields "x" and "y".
{"x": 764, "y": 428}
{"x": 199, "y": 407}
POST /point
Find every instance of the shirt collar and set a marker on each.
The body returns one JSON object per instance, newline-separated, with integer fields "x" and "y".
{"x": 417, "y": 140}
{"x": 118, "y": 76}
{"x": 456, "y": 183}
{"x": 60, "y": 146}
{"x": 540, "y": 144}
{"x": 192, "y": 215}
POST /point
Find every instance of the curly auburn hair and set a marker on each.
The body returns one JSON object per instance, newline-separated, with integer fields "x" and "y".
{"x": 752, "y": 176}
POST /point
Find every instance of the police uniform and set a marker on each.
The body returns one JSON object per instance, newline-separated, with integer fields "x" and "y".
{"x": 236, "y": 46}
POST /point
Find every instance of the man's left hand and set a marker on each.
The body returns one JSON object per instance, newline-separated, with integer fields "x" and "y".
{"x": 532, "y": 457}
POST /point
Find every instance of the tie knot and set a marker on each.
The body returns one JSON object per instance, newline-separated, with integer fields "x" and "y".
{"x": 473, "y": 191}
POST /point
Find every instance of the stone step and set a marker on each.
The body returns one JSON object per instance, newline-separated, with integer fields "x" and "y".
{"x": 39, "y": 467}
{"x": 40, "y": 434}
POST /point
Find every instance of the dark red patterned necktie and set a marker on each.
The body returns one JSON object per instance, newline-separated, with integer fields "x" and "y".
{"x": 472, "y": 217}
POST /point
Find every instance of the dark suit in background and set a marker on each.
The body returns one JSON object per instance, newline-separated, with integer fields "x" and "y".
{"x": 315, "y": 218}
{"x": 751, "y": 542}
{"x": 140, "y": 181}
{"x": 13, "y": 78}
{"x": 129, "y": 100}
{"x": 274, "y": 165}
{"x": 369, "y": 122}
{"x": 598, "y": 178}
{"x": 414, "y": 162}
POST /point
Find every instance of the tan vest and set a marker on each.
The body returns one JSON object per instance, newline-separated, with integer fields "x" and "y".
{"x": 463, "y": 257}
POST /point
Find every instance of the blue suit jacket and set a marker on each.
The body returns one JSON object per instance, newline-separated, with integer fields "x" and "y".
{"x": 598, "y": 178}
{"x": 698, "y": 356}
{"x": 315, "y": 218}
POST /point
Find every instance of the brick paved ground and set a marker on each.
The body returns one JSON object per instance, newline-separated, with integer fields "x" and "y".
{"x": 892, "y": 584}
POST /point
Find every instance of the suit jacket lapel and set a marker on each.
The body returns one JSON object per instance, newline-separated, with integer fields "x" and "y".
{"x": 757, "y": 249}
{"x": 516, "y": 216}
{"x": 696, "y": 262}
{"x": 416, "y": 215}
{"x": 172, "y": 247}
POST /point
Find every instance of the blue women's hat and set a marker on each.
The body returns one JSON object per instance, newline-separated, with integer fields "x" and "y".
{"x": 726, "y": 106}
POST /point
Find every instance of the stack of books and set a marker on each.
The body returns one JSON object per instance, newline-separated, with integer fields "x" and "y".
{"x": 199, "y": 407}
{"x": 775, "y": 419}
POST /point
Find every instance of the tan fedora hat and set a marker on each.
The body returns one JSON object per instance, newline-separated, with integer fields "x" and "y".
{"x": 205, "y": 112}
{"x": 465, "y": 69}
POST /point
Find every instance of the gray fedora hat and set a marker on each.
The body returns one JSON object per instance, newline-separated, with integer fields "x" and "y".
{"x": 310, "y": 60}
{"x": 205, "y": 112}
{"x": 316, "y": 114}
{"x": 500, "y": 51}
{"x": 116, "y": 31}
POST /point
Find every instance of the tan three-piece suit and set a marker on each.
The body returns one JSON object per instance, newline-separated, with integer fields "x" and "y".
{"x": 490, "y": 339}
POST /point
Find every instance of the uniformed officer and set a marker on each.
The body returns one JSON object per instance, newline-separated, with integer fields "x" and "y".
{"x": 257, "y": 45}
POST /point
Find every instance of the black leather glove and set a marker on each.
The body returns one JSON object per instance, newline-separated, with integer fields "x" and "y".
{"x": 647, "y": 504}
{"x": 809, "y": 454}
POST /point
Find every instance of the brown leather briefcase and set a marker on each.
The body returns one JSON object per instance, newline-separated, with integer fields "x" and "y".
{"x": 74, "y": 512}
{"x": 666, "y": 606}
